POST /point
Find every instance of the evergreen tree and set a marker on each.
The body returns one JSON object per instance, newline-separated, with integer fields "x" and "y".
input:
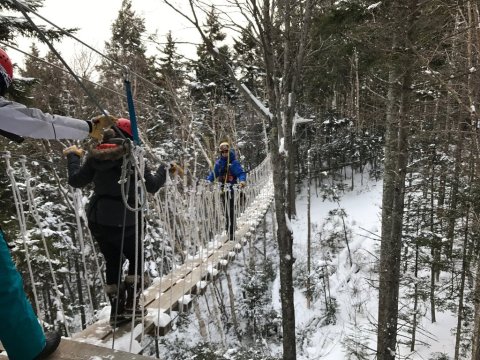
{"x": 127, "y": 49}
{"x": 170, "y": 64}
{"x": 15, "y": 25}
{"x": 213, "y": 78}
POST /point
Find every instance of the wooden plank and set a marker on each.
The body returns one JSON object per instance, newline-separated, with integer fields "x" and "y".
{"x": 97, "y": 331}
{"x": 172, "y": 288}
{"x": 73, "y": 350}
{"x": 178, "y": 274}
{"x": 170, "y": 299}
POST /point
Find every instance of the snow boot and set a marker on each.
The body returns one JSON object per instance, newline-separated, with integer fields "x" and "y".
{"x": 52, "y": 340}
{"x": 132, "y": 304}
{"x": 117, "y": 302}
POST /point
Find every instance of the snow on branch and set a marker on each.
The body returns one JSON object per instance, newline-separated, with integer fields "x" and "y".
{"x": 257, "y": 102}
{"x": 298, "y": 120}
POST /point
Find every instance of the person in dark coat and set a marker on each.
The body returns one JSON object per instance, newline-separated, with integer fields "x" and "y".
{"x": 228, "y": 171}
{"x": 21, "y": 334}
{"x": 111, "y": 223}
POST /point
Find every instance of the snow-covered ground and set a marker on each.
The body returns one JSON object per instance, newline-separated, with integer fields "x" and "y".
{"x": 347, "y": 331}
{"x": 353, "y": 287}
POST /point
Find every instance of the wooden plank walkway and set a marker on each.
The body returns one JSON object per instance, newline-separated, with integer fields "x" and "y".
{"x": 73, "y": 350}
{"x": 173, "y": 292}
{"x": 165, "y": 294}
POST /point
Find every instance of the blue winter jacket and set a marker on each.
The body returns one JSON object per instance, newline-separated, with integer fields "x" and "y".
{"x": 227, "y": 170}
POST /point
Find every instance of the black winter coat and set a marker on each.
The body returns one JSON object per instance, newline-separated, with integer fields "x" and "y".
{"x": 103, "y": 168}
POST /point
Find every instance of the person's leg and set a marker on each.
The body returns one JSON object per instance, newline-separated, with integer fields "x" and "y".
{"x": 135, "y": 270}
{"x": 233, "y": 224}
{"x": 134, "y": 257}
{"x": 109, "y": 241}
{"x": 20, "y": 332}
{"x": 226, "y": 202}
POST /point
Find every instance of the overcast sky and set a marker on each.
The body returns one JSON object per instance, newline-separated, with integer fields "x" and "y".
{"x": 94, "y": 19}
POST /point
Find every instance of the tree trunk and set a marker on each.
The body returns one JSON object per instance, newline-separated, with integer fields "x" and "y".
{"x": 284, "y": 238}
{"x": 201, "y": 323}
{"x": 396, "y": 156}
{"x": 232, "y": 305}
{"x": 476, "y": 323}
{"x": 462, "y": 290}
{"x": 415, "y": 302}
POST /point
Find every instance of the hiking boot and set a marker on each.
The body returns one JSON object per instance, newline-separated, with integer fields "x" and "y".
{"x": 132, "y": 304}
{"x": 52, "y": 340}
{"x": 116, "y": 296}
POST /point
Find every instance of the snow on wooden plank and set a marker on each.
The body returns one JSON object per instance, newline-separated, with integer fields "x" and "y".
{"x": 70, "y": 349}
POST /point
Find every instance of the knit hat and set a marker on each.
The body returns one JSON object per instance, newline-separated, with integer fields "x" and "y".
{"x": 224, "y": 146}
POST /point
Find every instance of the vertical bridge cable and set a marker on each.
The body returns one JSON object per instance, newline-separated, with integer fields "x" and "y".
{"x": 192, "y": 217}
{"x": 22, "y": 8}
{"x": 76, "y": 194}
{"x": 23, "y": 225}
{"x": 36, "y": 217}
{"x": 141, "y": 205}
{"x": 159, "y": 212}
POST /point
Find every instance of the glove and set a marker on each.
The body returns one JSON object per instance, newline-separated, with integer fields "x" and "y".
{"x": 99, "y": 123}
{"x": 174, "y": 169}
{"x": 74, "y": 150}
{"x": 242, "y": 184}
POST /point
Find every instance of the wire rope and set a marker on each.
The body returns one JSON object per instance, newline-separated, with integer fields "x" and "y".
{"x": 22, "y": 224}
{"x": 36, "y": 217}
{"x": 85, "y": 79}
{"x": 76, "y": 206}
{"x": 22, "y": 7}
{"x": 92, "y": 98}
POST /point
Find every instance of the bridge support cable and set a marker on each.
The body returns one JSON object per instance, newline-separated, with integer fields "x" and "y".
{"x": 158, "y": 221}
{"x": 186, "y": 244}
{"x": 141, "y": 206}
{"x": 77, "y": 204}
{"x": 40, "y": 221}
{"x": 23, "y": 226}
{"x": 34, "y": 212}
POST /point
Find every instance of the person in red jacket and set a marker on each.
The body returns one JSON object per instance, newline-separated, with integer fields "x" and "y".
{"x": 21, "y": 334}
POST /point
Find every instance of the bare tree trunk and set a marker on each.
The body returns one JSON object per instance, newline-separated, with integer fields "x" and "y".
{"x": 201, "y": 323}
{"x": 385, "y": 330}
{"x": 393, "y": 202}
{"x": 460, "y": 310}
{"x": 476, "y": 323}
{"x": 309, "y": 230}
{"x": 285, "y": 239}
{"x": 232, "y": 305}
{"x": 415, "y": 302}
{"x": 396, "y": 155}
{"x": 357, "y": 95}
{"x": 216, "y": 316}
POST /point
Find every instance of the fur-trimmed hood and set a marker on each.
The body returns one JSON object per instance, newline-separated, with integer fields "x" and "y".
{"x": 112, "y": 147}
{"x": 111, "y": 150}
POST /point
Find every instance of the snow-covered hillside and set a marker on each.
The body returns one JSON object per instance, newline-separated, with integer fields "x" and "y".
{"x": 351, "y": 333}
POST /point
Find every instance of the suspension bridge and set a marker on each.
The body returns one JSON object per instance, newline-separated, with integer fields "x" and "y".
{"x": 185, "y": 233}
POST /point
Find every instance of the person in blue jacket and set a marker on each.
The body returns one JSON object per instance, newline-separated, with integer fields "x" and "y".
{"x": 20, "y": 331}
{"x": 228, "y": 171}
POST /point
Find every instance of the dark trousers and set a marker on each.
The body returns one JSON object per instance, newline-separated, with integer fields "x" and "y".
{"x": 229, "y": 207}
{"x": 109, "y": 239}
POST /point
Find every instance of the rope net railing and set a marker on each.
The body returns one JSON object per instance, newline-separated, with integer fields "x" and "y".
{"x": 184, "y": 226}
